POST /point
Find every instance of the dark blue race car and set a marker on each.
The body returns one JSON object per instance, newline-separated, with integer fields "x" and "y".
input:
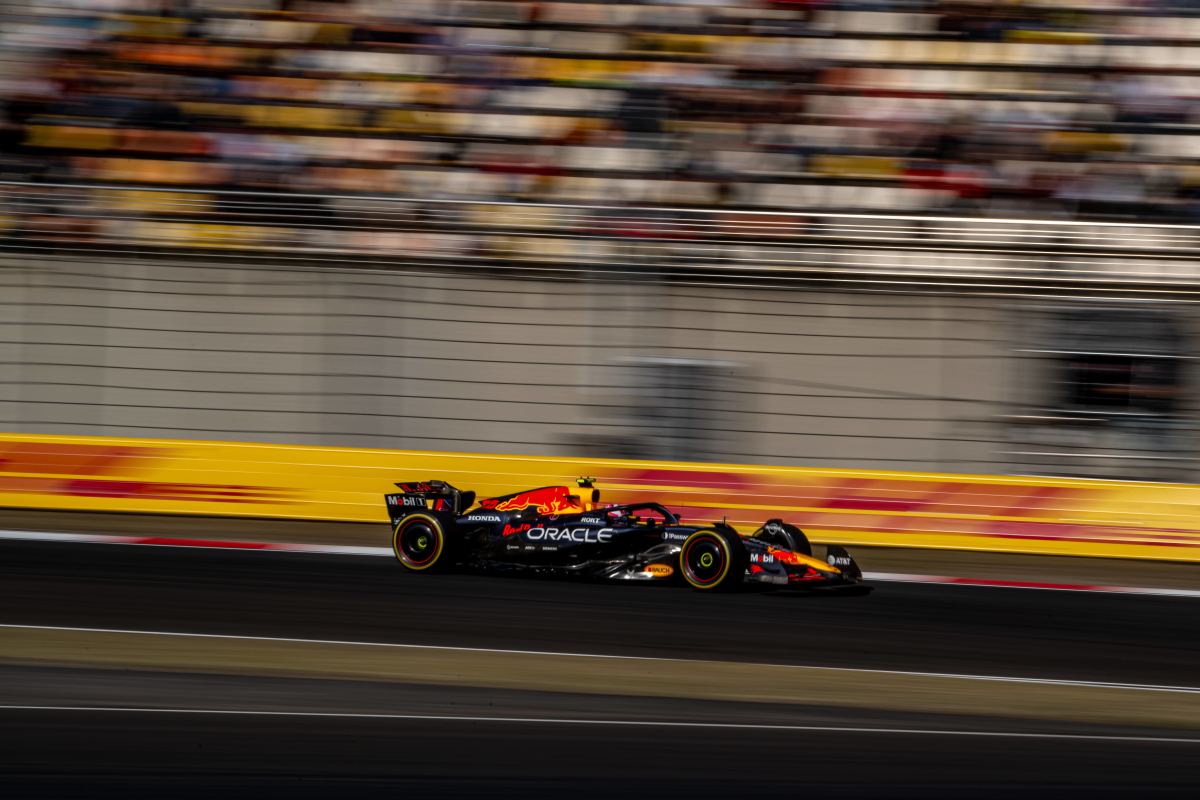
{"x": 569, "y": 532}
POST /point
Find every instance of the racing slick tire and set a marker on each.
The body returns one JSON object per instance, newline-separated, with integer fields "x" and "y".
{"x": 426, "y": 542}
{"x": 714, "y": 560}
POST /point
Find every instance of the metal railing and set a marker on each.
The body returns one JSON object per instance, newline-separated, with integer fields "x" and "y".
{"x": 295, "y": 227}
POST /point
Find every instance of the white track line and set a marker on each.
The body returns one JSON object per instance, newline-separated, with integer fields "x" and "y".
{"x": 631, "y": 723}
{"x": 331, "y": 549}
{"x": 1001, "y": 679}
{"x": 947, "y": 580}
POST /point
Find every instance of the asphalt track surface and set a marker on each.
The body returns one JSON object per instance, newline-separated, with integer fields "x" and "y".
{"x": 945, "y": 629}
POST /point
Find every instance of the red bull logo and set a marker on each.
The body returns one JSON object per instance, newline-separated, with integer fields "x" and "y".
{"x": 550, "y": 500}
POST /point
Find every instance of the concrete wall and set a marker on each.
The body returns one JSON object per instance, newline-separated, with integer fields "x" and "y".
{"x": 495, "y": 364}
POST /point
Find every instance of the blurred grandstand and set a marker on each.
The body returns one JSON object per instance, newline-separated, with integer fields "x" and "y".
{"x": 1056, "y": 110}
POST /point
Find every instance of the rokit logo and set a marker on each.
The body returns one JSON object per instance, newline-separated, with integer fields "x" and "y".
{"x": 591, "y": 521}
{"x": 569, "y": 534}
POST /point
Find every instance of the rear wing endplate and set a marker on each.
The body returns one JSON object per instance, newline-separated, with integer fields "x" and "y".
{"x": 427, "y": 496}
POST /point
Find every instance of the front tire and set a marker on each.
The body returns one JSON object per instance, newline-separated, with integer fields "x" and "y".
{"x": 714, "y": 560}
{"x": 789, "y": 537}
{"x": 422, "y": 543}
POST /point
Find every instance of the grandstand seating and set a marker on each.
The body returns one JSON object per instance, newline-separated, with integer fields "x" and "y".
{"x": 1040, "y": 108}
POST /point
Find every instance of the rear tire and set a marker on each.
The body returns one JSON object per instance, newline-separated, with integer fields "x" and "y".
{"x": 424, "y": 543}
{"x": 714, "y": 560}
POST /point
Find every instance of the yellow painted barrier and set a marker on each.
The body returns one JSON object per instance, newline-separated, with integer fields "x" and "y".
{"x": 1071, "y": 517}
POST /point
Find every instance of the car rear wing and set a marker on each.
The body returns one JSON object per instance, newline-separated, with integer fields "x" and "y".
{"x": 427, "y": 496}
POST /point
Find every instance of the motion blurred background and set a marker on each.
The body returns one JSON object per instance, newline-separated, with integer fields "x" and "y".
{"x": 945, "y": 237}
{"x": 914, "y": 237}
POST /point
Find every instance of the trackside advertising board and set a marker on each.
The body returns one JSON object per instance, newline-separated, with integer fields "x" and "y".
{"x": 974, "y": 512}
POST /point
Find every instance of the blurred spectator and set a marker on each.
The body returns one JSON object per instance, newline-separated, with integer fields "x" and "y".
{"x": 963, "y": 107}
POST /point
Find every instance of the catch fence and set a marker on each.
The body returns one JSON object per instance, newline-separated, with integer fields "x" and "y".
{"x": 299, "y": 228}
{"x": 929, "y": 344}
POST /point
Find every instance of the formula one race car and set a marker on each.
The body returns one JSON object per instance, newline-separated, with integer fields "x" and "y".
{"x": 552, "y": 530}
